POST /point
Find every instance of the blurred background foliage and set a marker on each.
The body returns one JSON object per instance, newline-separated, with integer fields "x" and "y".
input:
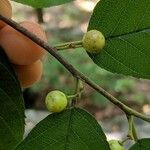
{"x": 67, "y": 23}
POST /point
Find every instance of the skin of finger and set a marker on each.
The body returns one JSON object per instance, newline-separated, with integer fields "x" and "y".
{"x": 19, "y": 49}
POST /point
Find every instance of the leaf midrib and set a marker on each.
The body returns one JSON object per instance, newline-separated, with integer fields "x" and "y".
{"x": 68, "y": 131}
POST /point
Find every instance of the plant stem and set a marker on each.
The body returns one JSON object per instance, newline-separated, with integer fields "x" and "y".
{"x": 69, "y": 45}
{"x": 130, "y": 125}
{"x": 126, "y": 139}
{"x": 79, "y": 88}
{"x": 72, "y": 96}
{"x": 132, "y": 132}
{"x": 78, "y": 91}
{"x": 72, "y": 70}
{"x": 74, "y": 101}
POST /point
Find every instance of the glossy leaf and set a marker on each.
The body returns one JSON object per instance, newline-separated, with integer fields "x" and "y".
{"x": 42, "y": 3}
{"x": 142, "y": 144}
{"x": 126, "y": 26}
{"x": 11, "y": 107}
{"x": 72, "y": 129}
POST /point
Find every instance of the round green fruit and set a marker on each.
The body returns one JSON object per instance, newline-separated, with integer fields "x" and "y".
{"x": 93, "y": 41}
{"x": 115, "y": 145}
{"x": 56, "y": 101}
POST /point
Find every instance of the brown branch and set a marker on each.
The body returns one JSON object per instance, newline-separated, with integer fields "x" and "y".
{"x": 53, "y": 51}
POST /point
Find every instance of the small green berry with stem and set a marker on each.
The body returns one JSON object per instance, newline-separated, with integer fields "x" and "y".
{"x": 93, "y": 41}
{"x": 56, "y": 101}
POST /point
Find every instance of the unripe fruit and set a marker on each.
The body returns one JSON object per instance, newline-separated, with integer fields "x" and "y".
{"x": 29, "y": 74}
{"x": 5, "y": 10}
{"x": 93, "y": 41}
{"x": 115, "y": 145}
{"x": 56, "y": 101}
{"x": 19, "y": 49}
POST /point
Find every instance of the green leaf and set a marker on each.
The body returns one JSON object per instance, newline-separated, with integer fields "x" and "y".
{"x": 72, "y": 129}
{"x": 142, "y": 144}
{"x": 8, "y": 141}
{"x": 42, "y": 3}
{"x": 126, "y": 26}
{"x": 11, "y": 107}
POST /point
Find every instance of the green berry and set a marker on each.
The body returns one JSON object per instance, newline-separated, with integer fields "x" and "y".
{"x": 115, "y": 145}
{"x": 56, "y": 101}
{"x": 93, "y": 41}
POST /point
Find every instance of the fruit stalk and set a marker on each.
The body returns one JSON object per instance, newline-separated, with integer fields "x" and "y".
{"x": 132, "y": 132}
{"x": 69, "y": 45}
{"x": 78, "y": 91}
